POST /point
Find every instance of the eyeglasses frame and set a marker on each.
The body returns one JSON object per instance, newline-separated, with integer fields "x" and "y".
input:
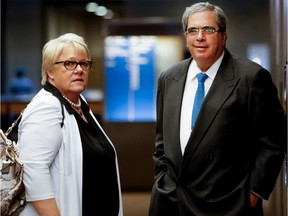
{"x": 202, "y": 30}
{"x": 90, "y": 63}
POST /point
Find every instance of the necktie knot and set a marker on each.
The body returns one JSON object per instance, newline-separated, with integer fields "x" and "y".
{"x": 202, "y": 77}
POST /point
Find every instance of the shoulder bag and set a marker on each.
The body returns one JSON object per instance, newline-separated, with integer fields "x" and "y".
{"x": 11, "y": 175}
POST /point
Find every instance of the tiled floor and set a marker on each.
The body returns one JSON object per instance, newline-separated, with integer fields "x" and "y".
{"x": 136, "y": 203}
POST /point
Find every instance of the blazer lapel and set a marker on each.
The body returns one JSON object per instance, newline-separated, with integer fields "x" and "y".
{"x": 174, "y": 94}
{"x": 222, "y": 87}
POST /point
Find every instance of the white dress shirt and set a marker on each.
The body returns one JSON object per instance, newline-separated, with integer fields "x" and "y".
{"x": 189, "y": 94}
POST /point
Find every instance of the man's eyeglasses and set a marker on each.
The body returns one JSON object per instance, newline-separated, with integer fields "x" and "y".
{"x": 204, "y": 30}
{"x": 71, "y": 65}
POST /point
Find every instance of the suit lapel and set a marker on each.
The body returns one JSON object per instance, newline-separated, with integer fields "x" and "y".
{"x": 174, "y": 94}
{"x": 222, "y": 87}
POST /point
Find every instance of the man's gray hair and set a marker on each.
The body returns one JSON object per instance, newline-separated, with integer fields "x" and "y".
{"x": 205, "y": 6}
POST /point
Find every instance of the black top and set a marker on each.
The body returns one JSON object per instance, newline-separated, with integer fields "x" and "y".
{"x": 100, "y": 187}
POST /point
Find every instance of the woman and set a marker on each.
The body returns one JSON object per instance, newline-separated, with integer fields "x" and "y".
{"x": 70, "y": 165}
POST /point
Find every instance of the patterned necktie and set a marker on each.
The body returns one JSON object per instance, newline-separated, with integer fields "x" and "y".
{"x": 199, "y": 96}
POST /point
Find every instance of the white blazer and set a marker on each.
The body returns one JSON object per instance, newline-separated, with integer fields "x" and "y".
{"x": 52, "y": 165}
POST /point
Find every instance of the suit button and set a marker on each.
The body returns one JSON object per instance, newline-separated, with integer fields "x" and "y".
{"x": 211, "y": 156}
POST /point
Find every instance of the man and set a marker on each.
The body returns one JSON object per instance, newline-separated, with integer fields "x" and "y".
{"x": 230, "y": 158}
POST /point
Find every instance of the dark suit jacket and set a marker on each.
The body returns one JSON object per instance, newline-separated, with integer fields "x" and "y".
{"x": 237, "y": 144}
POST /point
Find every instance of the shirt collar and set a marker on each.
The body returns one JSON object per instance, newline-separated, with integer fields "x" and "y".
{"x": 211, "y": 72}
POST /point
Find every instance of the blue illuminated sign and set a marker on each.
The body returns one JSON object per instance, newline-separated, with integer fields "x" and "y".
{"x": 130, "y": 78}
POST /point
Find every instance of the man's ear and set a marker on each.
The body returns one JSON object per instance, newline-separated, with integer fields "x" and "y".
{"x": 225, "y": 37}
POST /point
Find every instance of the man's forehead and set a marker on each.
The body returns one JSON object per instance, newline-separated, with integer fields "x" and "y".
{"x": 203, "y": 18}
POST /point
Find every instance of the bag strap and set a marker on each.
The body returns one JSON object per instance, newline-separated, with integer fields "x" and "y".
{"x": 16, "y": 121}
{"x": 10, "y": 150}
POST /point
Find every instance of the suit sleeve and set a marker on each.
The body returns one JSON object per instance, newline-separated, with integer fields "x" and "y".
{"x": 159, "y": 155}
{"x": 269, "y": 130}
